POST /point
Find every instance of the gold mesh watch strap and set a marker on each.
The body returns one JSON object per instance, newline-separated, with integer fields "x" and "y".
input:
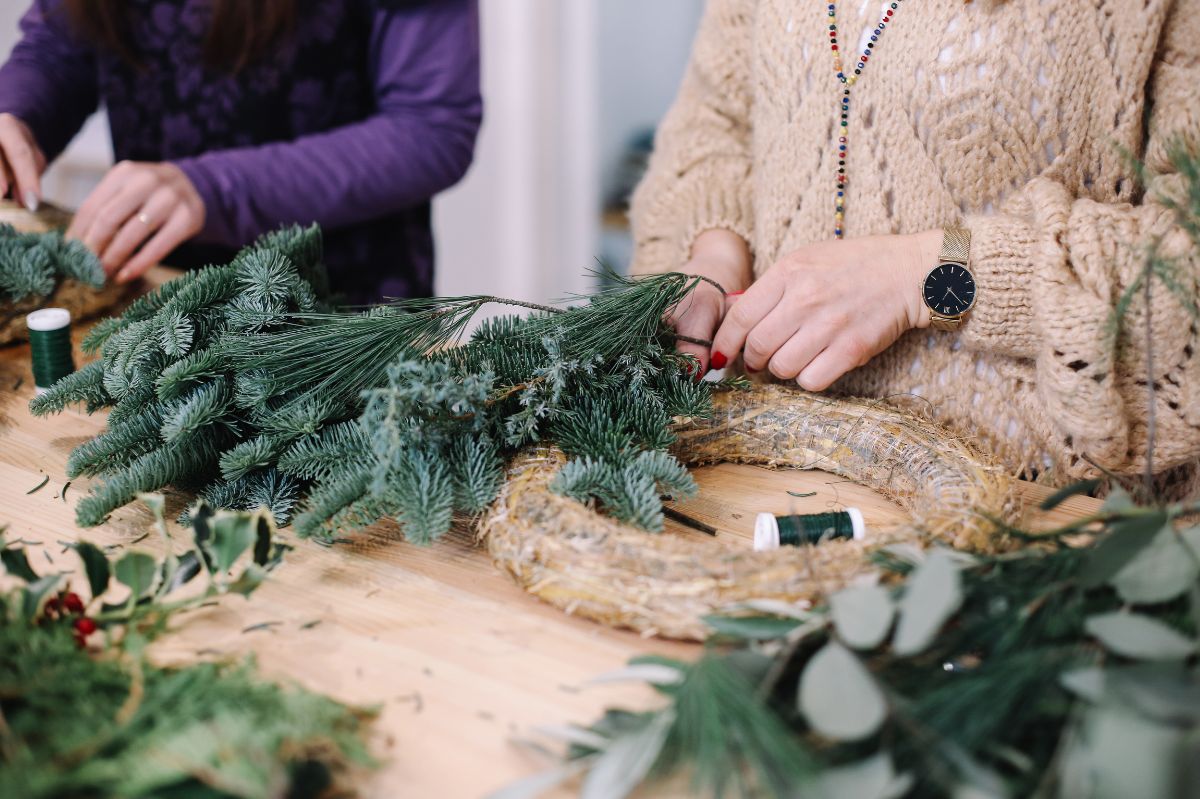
{"x": 956, "y": 248}
{"x": 956, "y": 245}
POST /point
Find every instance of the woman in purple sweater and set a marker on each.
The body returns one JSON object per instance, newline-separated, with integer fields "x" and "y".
{"x": 230, "y": 118}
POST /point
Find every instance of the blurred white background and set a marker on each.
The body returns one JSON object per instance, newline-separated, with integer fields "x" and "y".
{"x": 569, "y": 87}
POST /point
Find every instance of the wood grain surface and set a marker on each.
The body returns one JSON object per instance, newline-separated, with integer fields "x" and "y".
{"x": 460, "y": 661}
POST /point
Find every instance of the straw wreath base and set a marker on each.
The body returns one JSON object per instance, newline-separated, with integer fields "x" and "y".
{"x": 572, "y": 557}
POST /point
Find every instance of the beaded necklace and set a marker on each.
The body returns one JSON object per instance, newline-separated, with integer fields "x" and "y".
{"x": 848, "y": 82}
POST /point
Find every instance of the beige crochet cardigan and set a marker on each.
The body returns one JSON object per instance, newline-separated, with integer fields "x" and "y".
{"x": 1010, "y": 117}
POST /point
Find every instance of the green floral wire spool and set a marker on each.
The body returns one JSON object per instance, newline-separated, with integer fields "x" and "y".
{"x": 50, "y": 346}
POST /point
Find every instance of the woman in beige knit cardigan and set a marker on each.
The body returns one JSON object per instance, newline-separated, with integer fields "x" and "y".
{"x": 1012, "y": 119}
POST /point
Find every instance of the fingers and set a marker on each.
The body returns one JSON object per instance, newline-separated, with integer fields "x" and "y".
{"x": 743, "y": 316}
{"x": 178, "y": 229}
{"x": 115, "y": 208}
{"x": 108, "y": 188}
{"x": 697, "y": 316}
{"x": 844, "y": 354}
{"x": 776, "y": 329}
{"x": 138, "y": 228}
{"x": 790, "y": 359}
{"x": 22, "y": 158}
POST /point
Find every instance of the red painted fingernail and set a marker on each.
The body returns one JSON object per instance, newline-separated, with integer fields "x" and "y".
{"x": 719, "y": 360}
{"x": 734, "y": 293}
{"x": 752, "y": 370}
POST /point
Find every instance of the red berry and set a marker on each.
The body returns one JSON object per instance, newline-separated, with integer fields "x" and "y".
{"x": 52, "y": 607}
{"x": 73, "y": 603}
{"x": 85, "y": 627}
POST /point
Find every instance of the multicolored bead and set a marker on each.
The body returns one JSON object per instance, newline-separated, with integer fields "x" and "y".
{"x": 844, "y": 116}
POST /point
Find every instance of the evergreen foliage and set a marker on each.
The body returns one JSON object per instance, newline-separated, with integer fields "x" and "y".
{"x": 32, "y": 264}
{"x": 237, "y": 381}
{"x": 1062, "y": 670}
{"x": 85, "y": 714}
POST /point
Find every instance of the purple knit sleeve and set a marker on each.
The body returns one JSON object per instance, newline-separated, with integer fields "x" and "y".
{"x": 424, "y": 59}
{"x": 49, "y": 81}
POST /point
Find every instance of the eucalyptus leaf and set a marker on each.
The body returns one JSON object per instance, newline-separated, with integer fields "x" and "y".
{"x": 17, "y": 564}
{"x": 535, "y": 785}
{"x": 1118, "y": 501}
{"x": 627, "y": 760}
{"x": 862, "y": 615}
{"x": 136, "y": 570}
{"x": 653, "y": 673}
{"x": 752, "y": 628}
{"x": 839, "y": 697}
{"x": 1139, "y": 637}
{"x": 1127, "y": 538}
{"x": 1086, "y": 683}
{"x": 95, "y": 565}
{"x": 873, "y": 778}
{"x": 932, "y": 594}
{"x": 1162, "y": 570}
{"x": 264, "y": 529}
{"x": 1127, "y": 756}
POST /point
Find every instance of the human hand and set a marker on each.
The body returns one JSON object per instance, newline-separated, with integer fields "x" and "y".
{"x": 147, "y": 205}
{"x": 720, "y": 256}
{"x": 830, "y": 307}
{"x": 21, "y": 162}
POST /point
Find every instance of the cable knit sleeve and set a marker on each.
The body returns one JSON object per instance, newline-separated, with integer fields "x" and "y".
{"x": 1053, "y": 269}
{"x": 699, "y": 175}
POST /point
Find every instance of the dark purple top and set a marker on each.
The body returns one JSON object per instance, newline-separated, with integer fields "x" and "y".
{"x": 360, "y": 117}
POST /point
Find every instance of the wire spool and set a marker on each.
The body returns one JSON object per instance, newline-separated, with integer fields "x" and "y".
{"x": 772, "y": 532}
{"x": 50, "y": 346}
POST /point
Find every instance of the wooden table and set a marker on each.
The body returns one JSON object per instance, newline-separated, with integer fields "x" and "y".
{"x": 460, "y": 659}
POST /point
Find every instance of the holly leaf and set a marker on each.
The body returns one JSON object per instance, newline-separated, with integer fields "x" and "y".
{"x": 862, "y": 615}
{"x": 35, "y": 594}
{"x": 1127, "y": 538}
{"x": 839, "y": 697}
{"x": 187, "y": 568}
{"x": 1138, "y": 637}
{"x": 1075, "y": 489}
{"x": 1162, "y": 570}
{"x": 17, "y": 564}
{"x": 931, "y": 596}
{"x": 248, "y": 580}
{"x": 96, "y": 566}
{"x": 136, "y": 570}
{"x": 232, "y": 534}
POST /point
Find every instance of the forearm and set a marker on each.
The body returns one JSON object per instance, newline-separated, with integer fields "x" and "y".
{"x": 49, "y": 79}
{"x": 361, "y": 171}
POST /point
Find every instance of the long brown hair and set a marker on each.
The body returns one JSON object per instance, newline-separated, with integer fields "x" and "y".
{"x": 239, "y": 31}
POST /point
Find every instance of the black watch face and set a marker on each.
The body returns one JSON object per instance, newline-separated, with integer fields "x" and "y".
{"x": 949, "y": 290}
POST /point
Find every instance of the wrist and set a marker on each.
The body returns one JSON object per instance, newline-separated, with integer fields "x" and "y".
{"x": 924, "y": 249}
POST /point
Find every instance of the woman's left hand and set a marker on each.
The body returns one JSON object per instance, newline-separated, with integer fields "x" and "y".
{"x": 147, "y": 205}
{"x": 830, "y": 307}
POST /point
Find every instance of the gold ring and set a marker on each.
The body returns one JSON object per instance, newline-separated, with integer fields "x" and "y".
{"x": 144, "y": 218}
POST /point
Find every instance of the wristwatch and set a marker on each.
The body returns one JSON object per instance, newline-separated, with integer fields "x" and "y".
{"x": 949, "y": 288}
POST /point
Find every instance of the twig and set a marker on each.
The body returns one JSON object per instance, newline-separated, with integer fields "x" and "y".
{"x": 39, "y": 486}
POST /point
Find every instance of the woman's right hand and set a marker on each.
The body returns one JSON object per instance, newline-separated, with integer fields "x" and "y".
{"x": 21, "y": 162}
{"x": 720, "y": 256}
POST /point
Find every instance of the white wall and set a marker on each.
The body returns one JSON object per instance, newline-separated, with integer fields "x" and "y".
{"x": 525, "y": 221}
